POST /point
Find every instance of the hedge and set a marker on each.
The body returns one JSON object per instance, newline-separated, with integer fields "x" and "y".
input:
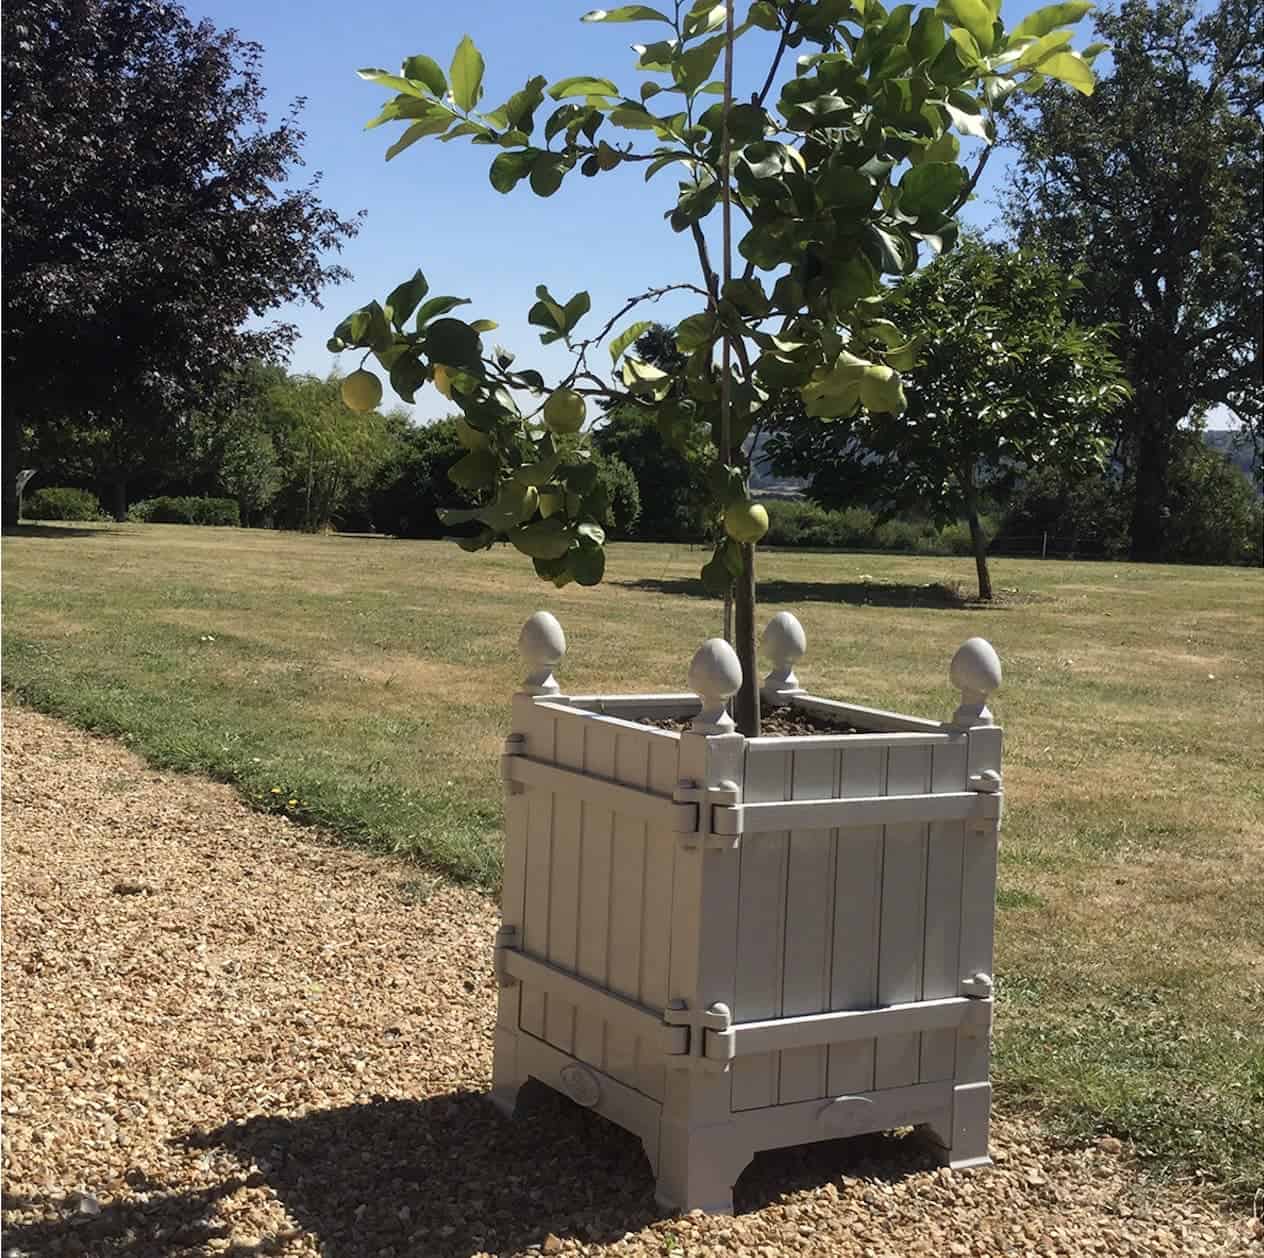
{"x": 61, "y": 503}
{"x": 221, "y": 511}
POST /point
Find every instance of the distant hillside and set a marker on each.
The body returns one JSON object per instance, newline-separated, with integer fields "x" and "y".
{"x": 1231, "y": 442}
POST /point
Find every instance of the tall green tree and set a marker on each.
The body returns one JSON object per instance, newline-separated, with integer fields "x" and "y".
{"x": 147, "y": 226}
{"x": 1001, "y": 382}
{"x": 1153, "y": 183}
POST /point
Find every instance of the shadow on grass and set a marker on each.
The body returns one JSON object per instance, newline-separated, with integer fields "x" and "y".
{"x": 54, "y": 531}
{"x": 445, "y": 1176}
{"x": 937, "y": 595}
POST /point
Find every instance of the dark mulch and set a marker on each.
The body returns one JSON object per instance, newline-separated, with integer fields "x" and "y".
{"x": 782, "y": 722}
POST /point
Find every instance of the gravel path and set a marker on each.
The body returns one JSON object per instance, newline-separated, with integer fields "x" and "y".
{"x": 223, "y": 1036}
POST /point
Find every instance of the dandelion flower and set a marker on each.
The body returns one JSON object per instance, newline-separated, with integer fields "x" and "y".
{"x": 276, "y": 790}
{"x": 291, "y": 802}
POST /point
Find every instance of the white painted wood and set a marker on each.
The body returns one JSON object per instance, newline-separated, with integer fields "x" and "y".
{"x": 897, "y": 809}
{"x": 627, "y": 895}
{"x": 857, "y": 898}
{"x": 661, "y": 847}
{"x": 594, "y": 999}
{"x": 809, "y": 926}
{"x": 944, "y": 856}
{"x": 788, "y": 1035}
{"x": 761, "y": 930}
{"x": 874, "y": 719}
{"x": 595, "y": 866}
{"x": 635, "y": 706}
{"x": 903, "y": 918}
{"x": 540, "y": 745}
{"x": 620, "y": 1104}
{"x": 771, "y": 743}
{"x": 568, "y": 829}
{"x": 715, "y": 676}
{"x": 593, "y": 788}
{"x": 542, "y": 644}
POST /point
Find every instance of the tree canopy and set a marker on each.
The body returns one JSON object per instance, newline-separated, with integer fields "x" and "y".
{"x": 147, "y": 227}
{"x": 1005, "y": 383}
{"x": 1153, "y": 184}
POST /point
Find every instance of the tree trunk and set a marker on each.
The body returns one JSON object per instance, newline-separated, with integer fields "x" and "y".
{"x": 980, "y": 543}
{"x": 11, "y": 459}
{"x": 118, "y": 489}
{"x": 1148, "y": 529}
{"x": 746, "y": 702}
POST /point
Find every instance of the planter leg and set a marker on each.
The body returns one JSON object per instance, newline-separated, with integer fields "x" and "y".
{"x": 507, "y": 1079}
{"x": 697, "y": 1169}
{"x": 960, "y": 1138}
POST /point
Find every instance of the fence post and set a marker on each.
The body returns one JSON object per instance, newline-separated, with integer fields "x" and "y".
{"x": 1044, "y": 546}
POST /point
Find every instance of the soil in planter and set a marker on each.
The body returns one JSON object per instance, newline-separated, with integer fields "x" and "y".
{"x": 780, "y": 722}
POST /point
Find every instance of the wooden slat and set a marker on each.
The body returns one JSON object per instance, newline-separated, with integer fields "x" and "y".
{"x": 897, "y": 809}
{"x": 809, "y": 918}
{"x": 789, "y": 1035}
{"x": 627, "y": 892}
{"x": 903, "y": 918}
{"x": 568, "y": 821}
{"x": 661, "y": 846}
{"x": 563, "y": 780}
{"x": 541, "y": 733}
{"x": 943, "y": 912}
{"x": 571, "y": 990}
{"x": 761, "y": 932}
{"x": 857, "y": 897}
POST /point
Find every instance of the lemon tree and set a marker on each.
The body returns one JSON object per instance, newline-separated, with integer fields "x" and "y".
{"x": 842, "y": 172}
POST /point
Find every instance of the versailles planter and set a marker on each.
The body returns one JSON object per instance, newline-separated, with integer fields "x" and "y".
{"x": 727, "y": 944}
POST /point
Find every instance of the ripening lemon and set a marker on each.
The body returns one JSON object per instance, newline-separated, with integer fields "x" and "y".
{"x": 882, "y": 390}
{"x": 469, "y": 436}
{"x": 443, "y": 380}
{"x": 564, "y": 412}
{"x": 746, "y": 521}
{"x": 361, "y": 390}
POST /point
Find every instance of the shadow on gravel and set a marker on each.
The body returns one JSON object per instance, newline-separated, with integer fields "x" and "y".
{"x": 937, "y": 595}
{"x": 445, "y": 1177}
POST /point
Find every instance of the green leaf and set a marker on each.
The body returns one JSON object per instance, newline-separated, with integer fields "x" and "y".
{"x": 974, "y": 15}
{"x": 538, "y": 473}
{"x": 1070, "y": 69}
{"x": 847, "y": 188}
{"x": 747, "y": 295}
{"x": 582, "y": 85}
{"x": 437, "y": 306}
{"x": 588, "y": 564}
{"x": 453, "y": 343}
{"x": 764, "y": 15}
{"x": 695, "y": 332}
{"x": 930, "y": 188}
{"x": 591, "y": 534}
{"x": 438, "y": 121}
{"x": 1043, "y": 47}
{"x": 716, "y": 578}
{"x": 426, "y": 70}
{"x": 542, "y": 539}
{"x": 509, "y": 168}
{"x": 627, "y": 13}
{"x": 402, "y": 107}
{"x": 969, "y": 124}
{"x": 927, "y": 36}
{"x": 407, "y": 376}
{"x": 546, "y": 174}
{"x": 466, "y": 74}
{"x": 1042, "y": 21}
{"x": 576, "y": 309}
{"x": 403, "y": 299}
{"x": 386, "y": 79}
{"x": 476, "y": 470}
{"x": 626, "y": 337}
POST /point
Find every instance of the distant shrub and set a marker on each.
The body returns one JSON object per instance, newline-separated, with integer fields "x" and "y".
{"x": 213, "y": 511}
{"x": 811, "y": 526}
{"x": 60, "y": 503}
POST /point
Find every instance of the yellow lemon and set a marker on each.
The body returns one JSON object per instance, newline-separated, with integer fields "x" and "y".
{"x": 361, "y": 390}
{"x": 443, "y": 380}
{"x": 746, "y": 521}
{"x": 882, "y": 390}
{"x": 564, "y": 411}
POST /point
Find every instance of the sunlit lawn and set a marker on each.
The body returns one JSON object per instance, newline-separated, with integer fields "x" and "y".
{"x": 369, "y": 679}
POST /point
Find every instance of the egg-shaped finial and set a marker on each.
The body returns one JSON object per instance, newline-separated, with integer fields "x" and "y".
{"x": 976, "y": 671}
{"x": 542, "y": 644}
{"x": 784, "y": 642}
{"x": 715, "y": 676}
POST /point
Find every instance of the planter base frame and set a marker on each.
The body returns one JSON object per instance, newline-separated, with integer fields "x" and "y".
{"x": 725, "y": 945}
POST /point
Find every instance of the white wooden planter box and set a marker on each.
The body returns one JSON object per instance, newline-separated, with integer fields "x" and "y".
{"x": 726, "y": 944}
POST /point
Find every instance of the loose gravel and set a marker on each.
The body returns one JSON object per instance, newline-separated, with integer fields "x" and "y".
{"x": 224, "y": 1035}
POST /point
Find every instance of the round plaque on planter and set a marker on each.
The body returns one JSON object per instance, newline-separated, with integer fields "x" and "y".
{"x": 580, "y": 1084}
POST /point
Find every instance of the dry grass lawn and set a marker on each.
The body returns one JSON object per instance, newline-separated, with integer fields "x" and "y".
{"x": 368, "y": 680}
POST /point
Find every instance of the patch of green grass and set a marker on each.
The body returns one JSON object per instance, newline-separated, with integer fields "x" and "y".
{"x": 369, "y": 681}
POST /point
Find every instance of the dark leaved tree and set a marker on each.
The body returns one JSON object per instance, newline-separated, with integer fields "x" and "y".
{"x": 1154, "y": 181}
{"x": 146, "y": 226}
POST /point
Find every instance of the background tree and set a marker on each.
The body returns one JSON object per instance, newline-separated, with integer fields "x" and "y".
{"x": 1005, "y": 383}
{"x": 1154, "y": 183}
{"x": 145, "y": 223}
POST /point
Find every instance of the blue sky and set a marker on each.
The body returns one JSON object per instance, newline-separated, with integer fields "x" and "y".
{"x": 432, "y": 207}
